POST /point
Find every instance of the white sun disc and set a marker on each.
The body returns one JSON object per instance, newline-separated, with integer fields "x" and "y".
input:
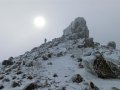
{"x": 39, "y": 22}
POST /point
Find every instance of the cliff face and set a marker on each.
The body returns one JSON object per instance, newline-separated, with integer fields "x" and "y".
{"x": 71, "y": 62}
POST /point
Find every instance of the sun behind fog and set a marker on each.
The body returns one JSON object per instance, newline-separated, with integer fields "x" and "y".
{"x": 39, "y": 22}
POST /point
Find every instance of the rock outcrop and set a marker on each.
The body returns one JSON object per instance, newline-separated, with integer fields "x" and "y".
{"x": 77, "y": 78}
{"x": 92, "y": 86}
{"x": 31, "y": 86}
{"x": 8, "y": 62}
{"x": 77, "y": 29}
{"x": 102, "y": 66}
{"x": 89, "y": 42}
{"x": 111, "y": 44}
{"x": 103, "y": 69}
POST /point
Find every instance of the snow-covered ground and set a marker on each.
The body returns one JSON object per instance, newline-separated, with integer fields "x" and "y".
{"x": 64, "y": 66}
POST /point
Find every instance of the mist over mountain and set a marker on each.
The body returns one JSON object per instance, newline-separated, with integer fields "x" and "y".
{"x": 73, "y": 61}
{"x": 18, "y": 33}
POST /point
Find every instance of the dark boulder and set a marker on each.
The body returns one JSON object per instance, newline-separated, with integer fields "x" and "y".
{"x": 49, "y": 55}
{"x": 19, "y": 72}
{"x": 10, "y": 58}
{"x": 1, "y": 86}
{"x": 103, "y": 69}
{"x": 1, "y": 77}
{"x": 63, "y": 88}
{"x": 81, "y": 65}
{"x": 92, "y": 86}
{"x": 6, "y": 80}
{"x": 31, "y": 86}
{"x": 30, "y": 64}
{"x": 79, "y": 59}
{"x": 77, "y": 78}
{"x": 44, "y": 57}
{"x": 55, "y": 75}
{"x": 59, "y": 54}
{"x": 29, "y": 77}
{"x": 111, "y": 44}
{"x": 89, "y": 42}
{"x": 15, "y": 83}
{"x": 7, "y": 62}
{"x": 114, "y": 88}
{"x": 102, "y": 66}
{"x": 72, "y": 56}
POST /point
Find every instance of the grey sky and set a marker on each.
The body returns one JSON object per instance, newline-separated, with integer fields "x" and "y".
{"x": 18, "y": 34}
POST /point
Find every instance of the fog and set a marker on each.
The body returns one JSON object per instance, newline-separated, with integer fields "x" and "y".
{"x": 18, "y": 33}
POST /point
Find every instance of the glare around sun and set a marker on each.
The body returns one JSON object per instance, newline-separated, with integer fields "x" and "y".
{"x": 39, "y": 22}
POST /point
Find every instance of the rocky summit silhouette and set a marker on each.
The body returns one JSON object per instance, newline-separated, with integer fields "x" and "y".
{"x": 77, "y": 29}
{"x": 73, "y": 61}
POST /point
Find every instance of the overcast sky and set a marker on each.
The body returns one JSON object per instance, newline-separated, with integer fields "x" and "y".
{"x": 18, "y": 33}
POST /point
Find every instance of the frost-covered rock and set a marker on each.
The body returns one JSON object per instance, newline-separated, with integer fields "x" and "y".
{"x": 89, "y": 42}
{"x": 15, "y": 83}
{"x": 45, "y": 57}
{"x": 77, "y": 29}
{"x": 105, "y": 69}
{"x": 92, "y": 86}
{"x": 31, "y": 86}
{"x": 103, "y": 66}
{"x": 1, "y": 77}
{"x": 7, "y": 62}
{"x": 111, "y": 44}
{"x": 1, "y": 86}
{"x": 114, "y": 88}
{"x": 77, "y": 78}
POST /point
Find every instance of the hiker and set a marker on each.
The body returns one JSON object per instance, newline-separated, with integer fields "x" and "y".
{"x": 45, "y": 40}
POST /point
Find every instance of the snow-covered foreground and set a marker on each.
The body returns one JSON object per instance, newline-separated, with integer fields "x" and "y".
{"x": 66, "y": 67}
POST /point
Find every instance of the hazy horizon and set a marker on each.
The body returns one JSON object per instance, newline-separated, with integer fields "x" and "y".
{"x": 18, "y": 33}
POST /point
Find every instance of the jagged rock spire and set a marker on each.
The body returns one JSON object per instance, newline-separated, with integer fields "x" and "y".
{"x": 77, "y": 29}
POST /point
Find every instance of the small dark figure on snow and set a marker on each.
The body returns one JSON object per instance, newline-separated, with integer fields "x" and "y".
{"x": 45, "y": 40}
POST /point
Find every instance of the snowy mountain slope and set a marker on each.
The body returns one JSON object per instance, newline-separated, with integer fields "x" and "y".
{"x": 62, "y": 64}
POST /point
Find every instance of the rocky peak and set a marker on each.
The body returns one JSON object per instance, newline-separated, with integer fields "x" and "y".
{"x": 77, "y": 29}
